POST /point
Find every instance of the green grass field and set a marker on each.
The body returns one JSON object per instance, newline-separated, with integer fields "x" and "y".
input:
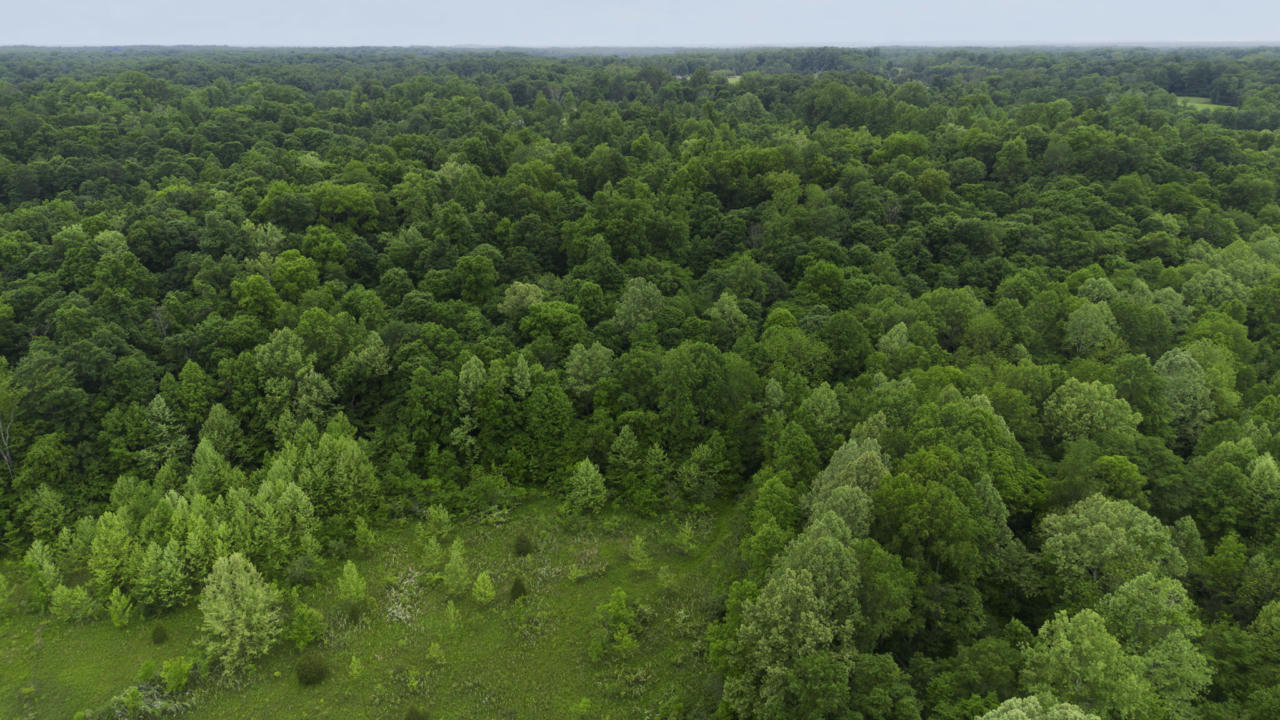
{"x": 1200, "y": 103}
{"x": 516, "y": 660}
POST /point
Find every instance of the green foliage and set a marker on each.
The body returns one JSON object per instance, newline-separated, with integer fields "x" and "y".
{"x": 638, "y": 554}
{"x": 306, "y": 627}
{"x": 353, "y": 593}
{"x": 941, "y": 338}
{"x": 1099, "y": 544}
{"x": 176, "y": 673}
{"x": 240, "y": 611}
{"x": 159, "y": 634}
{"x": 457, "y": 576}
{"x": 482, "y": 590}
{"x": 119, "y": 608}
{"x": 584, "y": 489}
{"x": 1032, "y": 708}
{"x": 72, "y": 605}
{"x": 617, "y": 624}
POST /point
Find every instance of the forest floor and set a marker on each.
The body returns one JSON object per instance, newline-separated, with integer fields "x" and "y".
{"x": 526, "y": 659}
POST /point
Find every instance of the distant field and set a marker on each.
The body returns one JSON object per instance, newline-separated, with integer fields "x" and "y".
{"x": 1202, "y": 103}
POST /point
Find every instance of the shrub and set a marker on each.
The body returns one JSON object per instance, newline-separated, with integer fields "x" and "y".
{"x": 639, "y": 554}
{"x": 457, "y": 577}
{"x": 438, "y": 521}
{"x": 415, "y": 713}
{"x": 617, "y": 622}
{"x": 312, "y": 669}
{"x": 119, "y": 608}
{"x": 304, "y": 570}
{"x": 353, "y": 592}
{"x": 524, "y": 546}
{"x": 482, "y": 590}
{"x": 176, "y": 673}
{"x": 72, "y": 605}
{"x": 306, "y": 627}
{"x": 159, "y": 635}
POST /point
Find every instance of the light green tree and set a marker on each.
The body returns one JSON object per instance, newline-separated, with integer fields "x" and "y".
{"x": 457, "y": 576}
{"x": 1098, "y": 544}
{"x": 353, "y": 591}
{"x": 584, "y": 489}
{"x": 1076, "y": 659}
{"x": 119, "y": 608}
{"x": 241, "y": 614}
{"x": 482, "y": 591}
{"x": 1032, "y": 708}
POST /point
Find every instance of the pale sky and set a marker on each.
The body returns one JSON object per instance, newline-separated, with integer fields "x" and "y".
{"x": 701, "y": 23}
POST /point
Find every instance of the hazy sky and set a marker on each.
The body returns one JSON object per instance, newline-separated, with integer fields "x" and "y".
{"x": 653, "y": 22}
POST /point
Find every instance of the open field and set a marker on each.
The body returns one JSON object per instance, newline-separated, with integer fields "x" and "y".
{"x": 528, "y": 659}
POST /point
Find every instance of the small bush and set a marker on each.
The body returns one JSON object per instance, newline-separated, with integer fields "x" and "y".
{"x": 482, "y": 590}
{"x": 518, "y": 589}
{"x": 176, "y": 672}
{"x": 415, "y": 713}
{"x": 304, "y": 571}
{"x": 159, "y": 635}
{"x": 312, "y": 669}
{"x": 524, "y": 546}
{"x": 72, "y": 605}
{"x": 306, "y": 627}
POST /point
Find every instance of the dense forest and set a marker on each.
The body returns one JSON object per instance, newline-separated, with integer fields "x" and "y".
{"x": 905, "y": 384}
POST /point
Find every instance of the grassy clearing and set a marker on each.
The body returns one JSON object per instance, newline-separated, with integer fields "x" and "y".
{"x": 52, "y": 670}
{"x": 505, "y": 660}
{"x": 1200, "y": 103}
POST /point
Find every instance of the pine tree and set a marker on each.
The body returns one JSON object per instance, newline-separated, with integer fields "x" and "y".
{"x": 457, "y": 577}
{"x": 119, "y": 608}
{"x": 241, "y": 614}
{"x": 584, "y": 490}
{"x": 482, "y": 590}
{"x": 352, "y": 591}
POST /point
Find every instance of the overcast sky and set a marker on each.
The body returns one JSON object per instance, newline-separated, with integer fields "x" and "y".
{"x": 540, "y": 23}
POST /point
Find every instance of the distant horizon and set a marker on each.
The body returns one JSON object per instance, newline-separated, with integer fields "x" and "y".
{"x": 684, "y": 24}
{"x": 1156, "y": 44}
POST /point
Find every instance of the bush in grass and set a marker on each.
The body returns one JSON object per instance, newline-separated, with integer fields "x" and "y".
{"x": 176, "y": 673}
{"x": 159, "y": 635}
{"x": 457, "y": 577}
{"x": 119, "y": 609}
{"x": 684, "y": 538}
{"x": 452, "y": 616}
{"x": 432, "y": 554}
{"x": 313, "y": 668}
{"x": 415, "y": 713}
{"x": 363, "y": 536}
{"x": 353, "y": 592}
{"x": 617, "y": 622}
{"x": 482, "y": 590}
{"x": 438, "y": 521}
{"x": 72, "y": 605}
{"x": 639, "y": 554}
{"x": 518, "y": 589}
{"x": 524, "y": 546}
{"x": 306, "y": 626}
